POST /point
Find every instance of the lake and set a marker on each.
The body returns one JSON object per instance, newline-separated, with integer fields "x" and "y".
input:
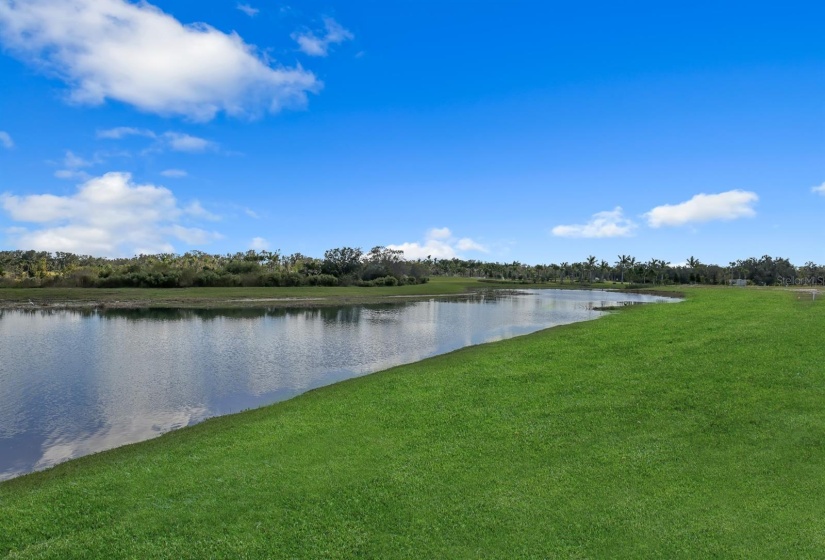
{"x": 74, "y": 383}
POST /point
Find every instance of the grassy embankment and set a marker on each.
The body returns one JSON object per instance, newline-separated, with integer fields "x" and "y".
{"x": 692, "y": 430}
{"x": 238, "y": 297}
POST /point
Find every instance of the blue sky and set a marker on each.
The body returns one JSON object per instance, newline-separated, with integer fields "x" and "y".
{"x": 532, "y": 131}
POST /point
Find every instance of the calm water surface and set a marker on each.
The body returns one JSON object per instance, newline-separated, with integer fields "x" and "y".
{"x": 74, "y": 383}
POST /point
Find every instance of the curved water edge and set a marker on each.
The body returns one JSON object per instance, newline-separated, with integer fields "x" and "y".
{"x": 75, "y": 382}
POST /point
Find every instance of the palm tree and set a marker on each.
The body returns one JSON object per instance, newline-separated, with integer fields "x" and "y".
{"x": 622, "y": 263}
{"x": 650, "y": 266}
{"x": 693, "y": 263}
{"x": 663, "y": 266}
{"x": 589, "y": 264}
{"x": 578, "y": 269}
{"x": 603, "y": 266}
{"x": 555, "y": 269}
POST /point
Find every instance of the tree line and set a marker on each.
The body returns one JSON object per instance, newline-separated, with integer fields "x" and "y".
{"x": 347, "y": 266}
{"x": 763, "y": 271}
{"x": 343, "y": 266}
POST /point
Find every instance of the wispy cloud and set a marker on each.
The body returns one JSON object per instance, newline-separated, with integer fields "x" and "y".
{"x": 196, "y": 210}
{"x": 438, "y": 243}
{"x": 467, "y": 244}
{"x": 139, "y": 55}
{"x": 123, "y": 131}
{"x": 71, "y": 174}
{"x": 174, "y": 173}
{"x": 819, "y": 190}
{"x": 728, "y": 205}
{"x": 5, "y": 140}
{"x": 259, "y": 244}
{"x": 109, "y": 215}
{"x": 181, "y": 142}
{"x": 72, "y": 167}
{"x": 73, "y": 161}
{"x": 611, "y": 223}
{"x": 171, "y": 140}
{"x": 248, "y": 10}
{"x": 318, "y": 44}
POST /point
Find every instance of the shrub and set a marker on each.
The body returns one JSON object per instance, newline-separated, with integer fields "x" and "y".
{"x": 206, "y": 278}
{"x": 322, "y": 280}
{"x": 242, "y": 267}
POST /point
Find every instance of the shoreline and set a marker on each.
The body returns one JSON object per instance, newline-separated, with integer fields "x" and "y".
{"x": 17, "y": 299}
{"x": 457, "y": 297}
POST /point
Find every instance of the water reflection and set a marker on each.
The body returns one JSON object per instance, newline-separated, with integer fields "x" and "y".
{"x": 78, "y": 382}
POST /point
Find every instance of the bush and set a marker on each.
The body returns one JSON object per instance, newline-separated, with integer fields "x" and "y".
{"x": 385, "y": 281}
{"x": 322, "y": 280}
{"x": 242, "y": 267}
{"x": 206, "y": 278}
{"x": 388, "y": 281}
{"x": 373, "y": 272}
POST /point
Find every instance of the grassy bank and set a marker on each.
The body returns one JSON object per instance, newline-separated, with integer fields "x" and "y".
{"x": 663, "y": 431}
{"x": 239, "y": 297}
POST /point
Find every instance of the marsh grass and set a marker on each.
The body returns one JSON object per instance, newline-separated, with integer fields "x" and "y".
{"x": 303, "y": 296}
{"x": 692, "y": 430}
{"x": 239, "y": 296}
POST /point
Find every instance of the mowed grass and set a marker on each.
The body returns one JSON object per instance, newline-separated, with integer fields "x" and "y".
{"x": 690, "y": 430}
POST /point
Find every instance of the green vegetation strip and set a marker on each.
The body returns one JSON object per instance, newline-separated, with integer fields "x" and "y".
{"x": 223, "y": 297}
{"x": 692, "y": 430}
{"x": 304, "y": 296}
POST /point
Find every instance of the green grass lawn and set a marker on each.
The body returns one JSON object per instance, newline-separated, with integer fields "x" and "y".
{"x": 694, "y": 430}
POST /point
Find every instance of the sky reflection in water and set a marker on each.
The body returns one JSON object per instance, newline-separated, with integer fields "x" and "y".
{"x": 75, "y": 383}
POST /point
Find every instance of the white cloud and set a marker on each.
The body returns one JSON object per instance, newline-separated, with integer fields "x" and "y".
{"x": 174, "y": 173}
{"x": 252, "y": 214}
{"x": 5, "y": 140}
{"x": 72, "y": 174}
{"x": 181, "y": 142}
{"x": 439, "y": 233}
{"x": 819, "y": 190}
{"x": 73, "y": 161}
{"x": 439, "y": 243}
{"x": 196, "y": 210}
{"x": 467, "y": 244}
{"x": 248, "y": 10}
{"x": 123, "y": 131}
{"x": 191, "y": 235}
{"x": 431, "y": 248}
{"x": 108, "y": 215}
{"x": 72, "y": 165}
{"x": 259, "y": 244}
{"x": 171, "y": 140}
{"x": 728, "y": 205}
{"x": 314, "y": 45}
{"x": 139, "y": 55}
{"x": 610, "y": 223}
